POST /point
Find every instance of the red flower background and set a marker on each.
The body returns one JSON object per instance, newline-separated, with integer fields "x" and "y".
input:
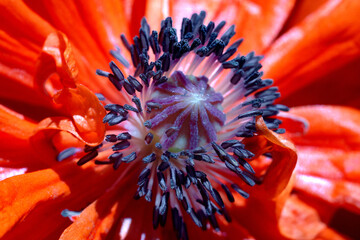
{"x": 49, "y": 53}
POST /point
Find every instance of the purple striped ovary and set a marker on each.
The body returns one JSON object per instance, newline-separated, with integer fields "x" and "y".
{"x": 185, "y": 112}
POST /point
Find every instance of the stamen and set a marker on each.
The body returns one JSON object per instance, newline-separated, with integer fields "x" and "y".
{"x": 89, "y": 156}
{"x": 150, "y": 158}
{"x": 239, "y": 190}
{"x": 120, "y": 58}
{"x": 70, "y": 214}
{"x": 149, "y": 137}
{"x": 102, "y": 73}
{"x": 123, "y": 136}
{"x": 100, "y": 96}
{"x": 228, "y": 193}
{"x": 129, "y": 158}
{"x": 67, "y": 153}
{"x": 121, "y": 145}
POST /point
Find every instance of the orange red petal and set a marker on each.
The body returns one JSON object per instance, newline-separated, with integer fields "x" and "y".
{"x": 99, "y": 218}
{"x": 302, "y": 9}
{"x": 330, "y": 88}
{"x": 56, "y": 57}
{"x": 15, "y": 131}
{"x": 16, "y": 71}
{"x": 328, "y": 166}
{"x": 266, "y": 200}
{"x": 15, "y": 205}
{"x": 330, "y": 126}
{"x": 338, "y": 192}
{"x": 83, "y": 111}
{"x": 311, "y": 49}
{"x": 47, "y": 193}
{"x": 283, "y": 154}
{"x": 300, "y": 221}
{"x": 86, "y": 112}
{"x": 15, "y": 124}
{"x": 19, "y": 21}
{"x": 95, "y": 221}
{"x": 330, "y": 234}
{"x": 257, "y": 21}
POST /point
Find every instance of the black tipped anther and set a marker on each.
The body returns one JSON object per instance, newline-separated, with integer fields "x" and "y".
{"x": 147, "y": 124}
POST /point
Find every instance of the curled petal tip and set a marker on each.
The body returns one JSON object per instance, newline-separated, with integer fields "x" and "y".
{"x": 56, "y": 57}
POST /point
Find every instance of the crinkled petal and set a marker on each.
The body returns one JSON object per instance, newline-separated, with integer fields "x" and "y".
{"x": 82, "y": 109}
{"x": 47, "y": 193}
{"x": 56, "y": 57}
{"x": 15, "y": 124}
{"x": 101, "y": 217}
{"x": 16, "y": 153}
{"x": 84, "y": 123}
{"x": 315, "y": 47}
{"x": 17, "y": 19}
{"x": 266, "y": 200}
{"x": 283, "y": 158}
{"x": 83, "y": 120}
{"x": 96, "y": 31}
{"x": 299, "y": 220}
{"x": 35, "y": 20}
{"x": 302, "y": 10}
{"x": 328, "y": 165}
{"x": 86, "y": 111}
{"x": 330, "y": 126}
{"x": 54, "y": 134}
{"x": 338, "y": 192}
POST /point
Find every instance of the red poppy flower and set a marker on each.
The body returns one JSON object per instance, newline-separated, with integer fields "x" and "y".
{"x": 188, "y": 128}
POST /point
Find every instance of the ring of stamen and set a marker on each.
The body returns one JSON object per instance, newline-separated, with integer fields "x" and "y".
{"x": 188, "y": 109}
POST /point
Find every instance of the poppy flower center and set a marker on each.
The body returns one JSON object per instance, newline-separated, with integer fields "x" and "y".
{"x": 187, "y": 110}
